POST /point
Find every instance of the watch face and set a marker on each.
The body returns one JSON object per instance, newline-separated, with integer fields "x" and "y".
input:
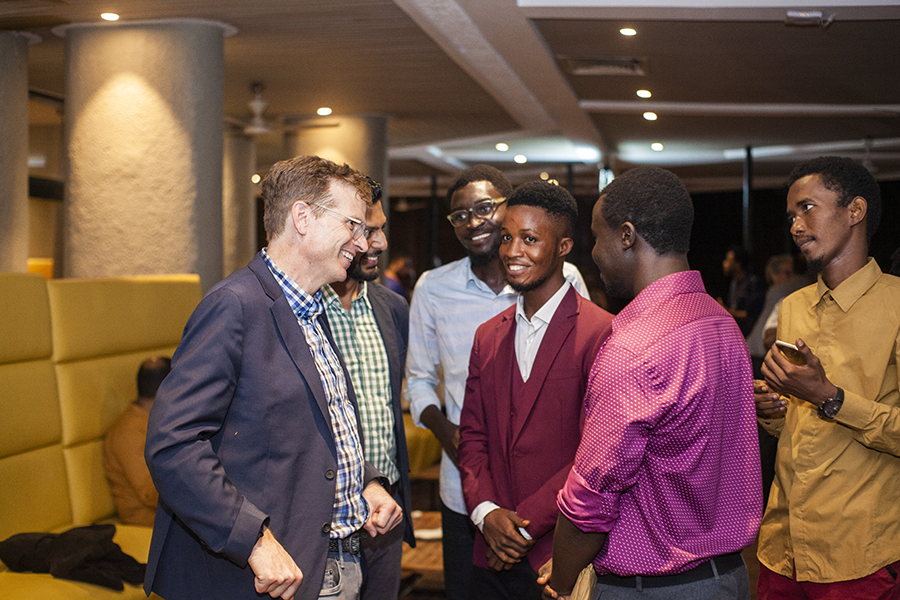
{"x": 830, "y": 408}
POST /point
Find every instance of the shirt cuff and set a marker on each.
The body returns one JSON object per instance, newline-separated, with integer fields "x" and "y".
{"x": 589, "y": 511}
{"x": 481, "y": 511}
{"x": 856, "y": 411}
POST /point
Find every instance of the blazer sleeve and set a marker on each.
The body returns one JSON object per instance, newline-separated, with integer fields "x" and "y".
{"x": 474, "y": 467}
{"x": 190, "y": 408}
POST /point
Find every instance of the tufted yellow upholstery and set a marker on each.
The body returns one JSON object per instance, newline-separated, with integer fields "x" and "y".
{"x": 34, "y": 493}
{"x": 69, "y": 354}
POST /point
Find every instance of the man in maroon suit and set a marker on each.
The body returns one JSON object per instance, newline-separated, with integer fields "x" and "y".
{"x": 522, "y": 416}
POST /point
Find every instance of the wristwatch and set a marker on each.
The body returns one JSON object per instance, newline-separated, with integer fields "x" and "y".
{"x": 830, "y": 407}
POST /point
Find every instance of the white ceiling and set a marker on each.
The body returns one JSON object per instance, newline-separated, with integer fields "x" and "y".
{"x": 457, "y": 76}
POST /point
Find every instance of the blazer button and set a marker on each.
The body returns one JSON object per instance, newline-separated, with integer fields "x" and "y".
{"x": 326, "y": 527}
{"x": 329, "y": 473}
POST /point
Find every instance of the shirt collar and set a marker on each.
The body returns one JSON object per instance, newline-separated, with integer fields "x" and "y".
{"x": 545, "y": 313}
{"x": 664, "y": 288}
{"x": 329, "y": 296}
{"x": 302, "y": 304}
{"x": 851, "y": 289}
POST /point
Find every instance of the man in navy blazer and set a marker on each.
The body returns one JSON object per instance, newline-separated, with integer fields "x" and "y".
{"x": 370, "y": 324}
{"x": 253, "y": 441}
{"x": 521, "y": 420}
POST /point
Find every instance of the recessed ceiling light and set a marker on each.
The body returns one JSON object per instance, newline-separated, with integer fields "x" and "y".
{"x": 255, "y": 178}
{"x": 627, "y": 31}
{"x": 545, "y": 175}
{"x": 502, "y": 147}
{"x": 650, "y": 116}
{"x": 109, "y": 17}
{"x": 656, "y": 147}
{"x": 644, "y": 93}
{"x": 520, "y": 158}
{"x": 324, "y": 111}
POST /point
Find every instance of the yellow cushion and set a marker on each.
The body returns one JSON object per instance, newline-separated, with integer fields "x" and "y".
{"x": 97, "y": 317}
{"x": 94, "y": 392}
{"x": 34, "y": 494}
{"x": 25, "y": 322}
{"x": 29, "y": 409}
{"x": 42, "y": 586}
{"x": 88, "y": 489}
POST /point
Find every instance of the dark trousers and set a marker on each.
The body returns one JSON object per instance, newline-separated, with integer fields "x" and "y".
{"x": 519, "y": 583}
{"x": 459, "y": 546}
{"x": 381, "y": 562}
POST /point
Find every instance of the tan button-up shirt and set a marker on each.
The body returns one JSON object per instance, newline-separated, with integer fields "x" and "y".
{"x": 834, "y": 508}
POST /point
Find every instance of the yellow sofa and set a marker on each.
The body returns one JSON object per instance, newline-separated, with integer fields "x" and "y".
{"x": 69, "y": 353}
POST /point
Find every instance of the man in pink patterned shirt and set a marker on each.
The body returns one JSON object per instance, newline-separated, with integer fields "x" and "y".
{"x": 665, "y": 490}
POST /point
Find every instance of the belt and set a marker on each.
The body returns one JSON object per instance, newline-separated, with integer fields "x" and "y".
{"x": 717, "y": 565}
{"x": 349, "y": 544}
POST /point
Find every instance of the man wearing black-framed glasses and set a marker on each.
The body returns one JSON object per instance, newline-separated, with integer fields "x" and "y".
{"x": 448, "y": 305}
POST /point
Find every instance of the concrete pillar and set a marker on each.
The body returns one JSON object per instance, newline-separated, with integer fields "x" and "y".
{"x": 14, "y": 153}
{"x": 238, "y": 201}
{"x": 359, "y": 141}
{"x": 144, "y": 133}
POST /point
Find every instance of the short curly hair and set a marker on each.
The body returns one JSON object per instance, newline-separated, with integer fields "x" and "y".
{"x": 656, "y": 203}
{"x": 556, "y": 200}
{"x": 306, "y": 178}
{"x": 848, "y": 179}
{"x": 480, "y": 173}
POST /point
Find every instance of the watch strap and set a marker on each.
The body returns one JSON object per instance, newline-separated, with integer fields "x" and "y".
{"x": 830, "y": 407}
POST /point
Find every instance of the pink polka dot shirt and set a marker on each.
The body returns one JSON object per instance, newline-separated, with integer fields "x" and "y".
{"x": 669, "y": 461}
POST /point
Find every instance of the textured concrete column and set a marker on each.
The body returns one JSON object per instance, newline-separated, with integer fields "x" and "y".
{"x": 14, "y": 153}
{"x": 238, "y": 201}
{"x": 144, "y": 113}
{"x": 361, "y": 142}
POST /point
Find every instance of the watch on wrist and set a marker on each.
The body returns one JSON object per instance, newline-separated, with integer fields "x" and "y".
{"x": 830, "y": 407}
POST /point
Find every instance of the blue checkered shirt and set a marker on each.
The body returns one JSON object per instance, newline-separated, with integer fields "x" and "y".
{"x": 350, "y": 509}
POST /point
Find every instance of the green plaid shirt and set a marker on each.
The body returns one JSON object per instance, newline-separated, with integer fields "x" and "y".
{"x": 359, "y": 340}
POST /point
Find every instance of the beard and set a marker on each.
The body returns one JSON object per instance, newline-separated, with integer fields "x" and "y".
{"x": 616, "y": 289}
{"x": 527, "y": 287}
{"x": 484, "y": 258}
{"x": 814, "y": 266}
{"x": 356, "y": 272}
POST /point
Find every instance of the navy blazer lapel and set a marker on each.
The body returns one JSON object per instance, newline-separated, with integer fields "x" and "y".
{"x": 292, "y": 335}
{"x": 386, "y": 326}
{"x": 558, "y": 330}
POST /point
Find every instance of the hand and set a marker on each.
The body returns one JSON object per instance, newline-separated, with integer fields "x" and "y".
{"x": 769, "y": 405}
{"x": 384, "y": 513}
{"x": 276, "y": 572}
{"x": 446, "y": 432}
{"x": 543, "y": 578}
{"x": 503, "y": 538}
{"x": 807, "y": 382}
{"x": 495, "y": 563}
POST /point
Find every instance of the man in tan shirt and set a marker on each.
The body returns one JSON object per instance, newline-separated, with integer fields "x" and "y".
{"x": 123, "y": 450}
{"x": 832, "y": 524}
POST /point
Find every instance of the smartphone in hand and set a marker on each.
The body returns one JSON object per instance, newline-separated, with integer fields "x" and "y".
{"x": 791, "y": 352}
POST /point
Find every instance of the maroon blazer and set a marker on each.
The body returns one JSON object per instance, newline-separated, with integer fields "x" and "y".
{"x": 517, "y": 452}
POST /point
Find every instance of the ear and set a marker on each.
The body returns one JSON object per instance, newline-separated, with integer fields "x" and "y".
{"x": 858, "y": 209}
{"x": 300, "y": 216}
{"x": 565, "y": 246}
{"x": 627, "y": 235}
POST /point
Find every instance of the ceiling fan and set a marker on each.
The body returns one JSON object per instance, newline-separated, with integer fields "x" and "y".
{"x": 257, "y": 124}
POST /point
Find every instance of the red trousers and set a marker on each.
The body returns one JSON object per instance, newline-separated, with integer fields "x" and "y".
{"x": 883, "y": 584}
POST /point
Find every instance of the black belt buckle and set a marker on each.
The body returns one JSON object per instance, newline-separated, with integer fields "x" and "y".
{"x": 354, "y": 544}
